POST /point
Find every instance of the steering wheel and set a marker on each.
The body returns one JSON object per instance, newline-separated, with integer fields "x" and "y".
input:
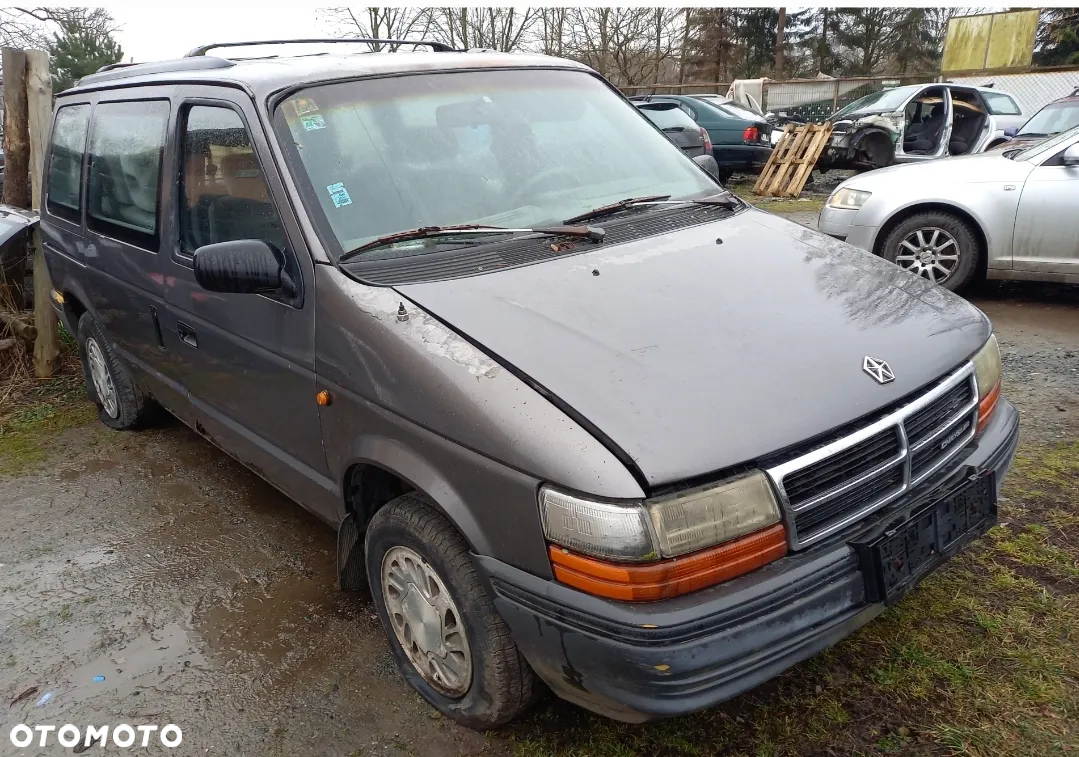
{"x": 544, "y": 176}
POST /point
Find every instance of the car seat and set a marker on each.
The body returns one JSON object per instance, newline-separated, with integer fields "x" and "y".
{"x": 926, "y": 139}
{"x": 245, "y": 211}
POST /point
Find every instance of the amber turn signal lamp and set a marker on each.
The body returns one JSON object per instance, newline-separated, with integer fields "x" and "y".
{"x": 668, "y": 578}
{"x": 987, "y": 406}
{"x": 323, "y": 398}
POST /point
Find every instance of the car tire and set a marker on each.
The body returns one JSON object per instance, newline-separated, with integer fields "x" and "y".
{"x": 409, "y": 537}
{"x": 930, "y": 254}
{"x": 121, "y": 404}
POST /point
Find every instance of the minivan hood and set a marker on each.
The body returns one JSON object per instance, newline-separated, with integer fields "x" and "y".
{"x": 713, "y": 345}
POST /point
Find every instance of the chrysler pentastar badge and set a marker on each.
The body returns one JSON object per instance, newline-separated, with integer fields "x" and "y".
{"x": 878, "y": 369}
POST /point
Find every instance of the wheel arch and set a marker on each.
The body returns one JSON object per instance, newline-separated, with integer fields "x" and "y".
{"x": 385, "y": 472}
{"x": 941, "y": 207}
{"x": 76, "y": 302}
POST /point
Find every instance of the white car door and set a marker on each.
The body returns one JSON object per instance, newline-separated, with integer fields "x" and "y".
{"x": 1045, "y": 240}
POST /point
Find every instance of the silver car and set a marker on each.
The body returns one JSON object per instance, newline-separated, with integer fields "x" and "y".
{"x": 1007, "y": 215}
{"x": 918, "y": 123}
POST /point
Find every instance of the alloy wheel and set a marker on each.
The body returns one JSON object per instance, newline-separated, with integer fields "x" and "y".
{"x": 99, "y": 373}
{"x": 930, "y": 252}
{"x": 426, "y": 621}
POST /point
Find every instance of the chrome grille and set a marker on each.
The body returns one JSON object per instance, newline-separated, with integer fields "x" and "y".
{"x": 831, "y": 487}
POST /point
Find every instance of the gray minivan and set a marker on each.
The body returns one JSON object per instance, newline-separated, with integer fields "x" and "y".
{"x": 578, "y": 415}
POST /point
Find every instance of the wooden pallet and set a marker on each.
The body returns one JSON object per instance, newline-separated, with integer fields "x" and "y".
{"x": 792, "y": 160}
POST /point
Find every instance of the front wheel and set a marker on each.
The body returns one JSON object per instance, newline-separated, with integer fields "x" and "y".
{"x": 937, "y": 246}
{"x": 445, "y": 635}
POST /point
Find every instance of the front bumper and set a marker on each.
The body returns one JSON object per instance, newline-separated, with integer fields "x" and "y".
{"x": 840, "y": 223}
{"x": 637, "y": 662}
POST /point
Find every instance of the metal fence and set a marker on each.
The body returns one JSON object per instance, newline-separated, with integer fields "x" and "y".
{"x": 1032, "y": 89}
{"x": 810, "y": 99}
{"x": 816, "y": 99}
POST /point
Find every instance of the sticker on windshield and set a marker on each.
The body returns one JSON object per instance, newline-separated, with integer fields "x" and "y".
{"x": 310, "y": 123}
{"x": 339, "y": 195}
{"x": 304, "y": 105}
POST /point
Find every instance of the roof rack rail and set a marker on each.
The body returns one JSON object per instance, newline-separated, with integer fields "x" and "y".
{"x": 437, "y": 47}
{"x": 127, "y": 70}
{"x": 111, "y": 66}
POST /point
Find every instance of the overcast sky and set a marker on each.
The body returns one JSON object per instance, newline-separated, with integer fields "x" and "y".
{"x": 152, "y": 31}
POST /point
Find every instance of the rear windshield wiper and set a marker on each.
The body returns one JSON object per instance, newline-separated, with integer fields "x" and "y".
{"x": 592, "y": 233}
{"x": 725, "y": 199}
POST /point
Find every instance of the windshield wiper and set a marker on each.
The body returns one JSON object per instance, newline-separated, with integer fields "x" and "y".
{"x": 593, "y": 233}
{"x": 726, "y": 199}
{"x": 615, "y": 207}
{"x": 1032, "y": 134}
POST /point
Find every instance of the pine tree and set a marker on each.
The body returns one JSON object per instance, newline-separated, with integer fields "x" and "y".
{"x": 83, "y": 44}
{"x": 813, "y": 32}
{"x": 1057, "y": 43}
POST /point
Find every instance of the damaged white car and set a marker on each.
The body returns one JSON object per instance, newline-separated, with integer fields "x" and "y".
{"x": 919, "y": 122}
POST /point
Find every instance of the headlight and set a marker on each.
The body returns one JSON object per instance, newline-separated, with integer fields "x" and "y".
{"x": 987, "y": 375}
{"x": 664, "y": 546}
{"x": 712, "y": 515}
{"x": 848, "y": 199}
{"x": 615, "y": 532}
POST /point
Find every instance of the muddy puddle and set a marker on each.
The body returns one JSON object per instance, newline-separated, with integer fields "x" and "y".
{"x": 150, "y": 579}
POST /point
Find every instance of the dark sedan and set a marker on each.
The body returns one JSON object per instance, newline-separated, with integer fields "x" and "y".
{"x": 740, "y": 138}
{"x": 679, "y": 127}
{"x": 1055, "y": 118}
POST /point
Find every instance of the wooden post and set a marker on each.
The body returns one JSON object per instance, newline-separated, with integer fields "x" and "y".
{"x": 17, "y": 159}
{"x": 39, "y": 109}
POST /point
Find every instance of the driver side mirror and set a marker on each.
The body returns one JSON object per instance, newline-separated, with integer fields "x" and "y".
{"x": 1011, "y": 132}
{"x": 1071, "y": 156}
{"x": 242, "y": 266}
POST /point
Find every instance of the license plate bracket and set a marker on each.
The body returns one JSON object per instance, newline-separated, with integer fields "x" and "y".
{"x": 895, "y": 562}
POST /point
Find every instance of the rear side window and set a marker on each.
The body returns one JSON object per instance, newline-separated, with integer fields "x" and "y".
{"x": 63, "y": 192}
{"x": 123, "y": 192}
{"x": 1000, "y": 104}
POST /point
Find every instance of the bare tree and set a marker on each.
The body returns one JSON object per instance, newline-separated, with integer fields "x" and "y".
{"x": 21, "y": 29}
{"x": 552, "y": 31}
{"x": 378, "y": 23}
{"x": 503, "y": 29}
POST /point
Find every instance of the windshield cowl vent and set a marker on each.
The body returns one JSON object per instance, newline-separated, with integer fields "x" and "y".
{"x": 469, "y": 261}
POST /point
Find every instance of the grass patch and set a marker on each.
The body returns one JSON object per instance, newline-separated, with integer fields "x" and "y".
{"x": 42, "y": 413}
{"x": 807, "y": 203}
{"x": 982, "y": 659}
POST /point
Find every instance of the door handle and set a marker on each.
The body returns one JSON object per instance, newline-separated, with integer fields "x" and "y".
{"x": 187, "y": 334}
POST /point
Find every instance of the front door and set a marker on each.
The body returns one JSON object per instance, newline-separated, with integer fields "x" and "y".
{"x": 1045, "y": 240}
{"x": 248, "y": 361}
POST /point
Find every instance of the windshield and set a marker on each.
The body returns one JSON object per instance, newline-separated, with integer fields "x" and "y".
{"x": 1045, "y": 145}
{"x": 668, "y": 117}
{"x": 502, "y": 148}
{"x": 1052, "y": 119}
{"x": 889, "y": 99}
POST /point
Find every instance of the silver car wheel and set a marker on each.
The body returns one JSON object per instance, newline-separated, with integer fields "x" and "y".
{"x": 426, "y": 621}
{"x": 930, "y": 252}
{"x": 99, "y": 373}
